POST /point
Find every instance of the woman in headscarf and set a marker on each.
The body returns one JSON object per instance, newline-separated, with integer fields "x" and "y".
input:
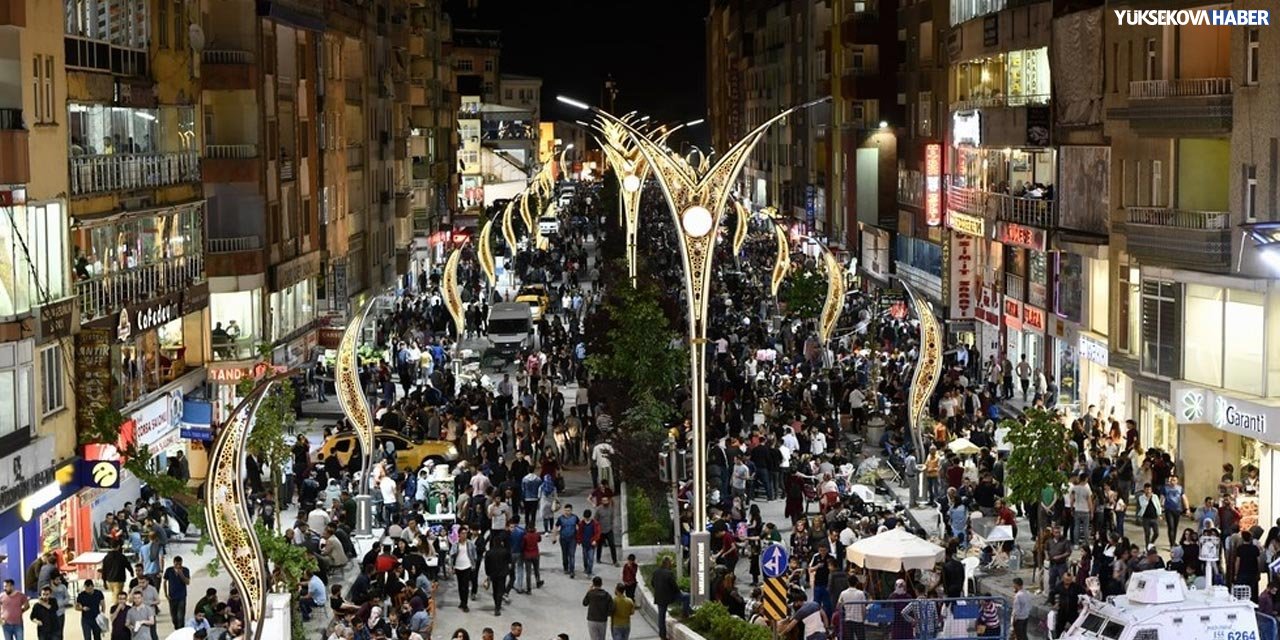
{"x": 901, "y": 629}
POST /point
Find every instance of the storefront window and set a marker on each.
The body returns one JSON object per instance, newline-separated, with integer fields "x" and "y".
{"x": 1202, "y": 348}
{"x": 1038, "y": 275}
{"x": 1068, "y": 372}
{"x": 237, "y": 324}
{"x": 292, "y": 309}
{"x": 1069, "y": 287}
{"x": 1244, "y": 325}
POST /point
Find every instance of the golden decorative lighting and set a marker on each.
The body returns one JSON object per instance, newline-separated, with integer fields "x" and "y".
{"x": 928, "y": 367}
{"x": 743, "y": 215}
{"x": 834, "y": 305}
{"x": 449, "y": 288}
{"x": 508, "y": 230}
{"x": 527, "y": 215}
{"x": 484, "y": 253}
{"x": 346, "y": 377}
{"x": 226, "y": 511}
{"x": 696, "y": 199}
{"x": 782, "y": 261}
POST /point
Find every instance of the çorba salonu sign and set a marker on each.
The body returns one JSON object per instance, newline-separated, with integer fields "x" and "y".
{"x": 1197, "y": 405}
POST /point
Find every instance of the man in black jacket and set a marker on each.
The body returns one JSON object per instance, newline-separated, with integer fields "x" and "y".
{"x": 114, "y": 567}
{"x": 599, "y": 606}
{"x": 665, "y": 591}
{"x": 497, "y": 562}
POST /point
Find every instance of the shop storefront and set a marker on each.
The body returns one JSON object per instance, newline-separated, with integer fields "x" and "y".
{"x": 989, "y": 322}
{"x": 1223, "y": 429}
{"x": 37, "y": 512}
{"x": 237, "y": 321}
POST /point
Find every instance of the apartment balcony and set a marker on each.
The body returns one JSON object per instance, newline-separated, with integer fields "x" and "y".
{"x": 130, "y": 171}
{"x": 1182, "y": 107}
{"x": 104, "y": 295}
{"x": 860, "y": 27}
{"x": 355, "y": 156}
{"x": 13, "y": 13}
{"x": 1035, "y": 212}
{"x": 228, "y": 70}
{"x": 354, "y": 89}
{"x": 974, "y": 202}
{"x": 1179, "y": 237}
{"x": 15, "y": 164}
{"x": 235, "y": 245}
{"x": 286, "y": 169}
{"x": 225, "y": 163}
{"x": 286, "y": 87}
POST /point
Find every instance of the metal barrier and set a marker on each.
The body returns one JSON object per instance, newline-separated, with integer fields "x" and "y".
{"x": 925, "y": 618}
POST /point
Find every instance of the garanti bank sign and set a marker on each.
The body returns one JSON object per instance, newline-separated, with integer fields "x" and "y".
{"x": 1199, "y": 405}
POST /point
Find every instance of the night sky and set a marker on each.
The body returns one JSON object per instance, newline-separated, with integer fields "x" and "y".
{"x": 654, "y": 49}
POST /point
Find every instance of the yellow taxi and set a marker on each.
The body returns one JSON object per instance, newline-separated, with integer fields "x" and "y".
{"x": 409, "y": 454}
{"x": 535, "y": 295}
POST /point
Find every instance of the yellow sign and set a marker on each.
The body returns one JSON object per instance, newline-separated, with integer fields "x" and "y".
{"x": 774, "y": 603}
{"x": 965, "y": 223}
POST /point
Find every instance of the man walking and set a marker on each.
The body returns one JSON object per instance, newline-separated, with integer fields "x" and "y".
{"x": 176, "y": 579}
{"x": 599, "y": 606}
{"x": 665, "y": 591}
{"x": 567, "y": 528}
{"x": 1021, "y": 610}
{"x": 623, "y": 608}
{"x": 1149, "y": 509}
{"x": 1024, "y": 375}
{"x": 1082, "y": 510}
{"x": 497, "y": 562}
{"x": 1175, "y": 504}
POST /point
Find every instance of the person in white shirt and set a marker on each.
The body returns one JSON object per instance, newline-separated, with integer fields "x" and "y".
{"x": 602, "y": 469}
{"x": 818, "y": 443}
{"x": 318, "y": 519}
{"x": 390, "y": 501}
{"x": 480, "y": 483}
{"x": 853, "y": 606}
{"x": 848, "y": 535}
{"x": 790, "y": 441}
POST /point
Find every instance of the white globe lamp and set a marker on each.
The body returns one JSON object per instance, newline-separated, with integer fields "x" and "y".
{"x": 696, "y": 221}
{"x": 631, "y": 183}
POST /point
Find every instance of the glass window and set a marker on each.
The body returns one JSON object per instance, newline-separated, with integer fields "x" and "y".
{"x": 1202, "y": 347}
{"x": 1161, "y": 329}
{"x": 51, "y": 379}
{"x": 1070, "y": 286}
{"x": 1027, "y": 76}
{"x": 292, "y": 309}
{"x": 1245, "y": 325}
{"x": 15, "y": 383}
{"x": 237, "y": 324}
{"x": 1099, "y": 295}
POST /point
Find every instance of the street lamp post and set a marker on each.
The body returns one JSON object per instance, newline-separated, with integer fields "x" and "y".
{"x": 696, "y": 197}
{"x": 355, "y": 406}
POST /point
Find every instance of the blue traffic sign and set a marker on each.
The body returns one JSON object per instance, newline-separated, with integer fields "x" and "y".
{"x": 774, "y": 561}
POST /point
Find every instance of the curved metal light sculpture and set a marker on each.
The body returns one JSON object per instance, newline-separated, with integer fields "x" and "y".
{"x": 928, "y": 367}
{"x": 484, "y": 253}
{"x": 782, "y": 261}
{"x": 631, "y": 171}
{"x": 834, "y": 304}
{"x": 508, "y": 229}
{"x": 226, "y": 509}
{"x": 743, "y": 215}
{"x": 346, "y": 376}
{"x": 449, "y": 289}
{"x": 697, "y": 201}
{"x": 526, "y": 215}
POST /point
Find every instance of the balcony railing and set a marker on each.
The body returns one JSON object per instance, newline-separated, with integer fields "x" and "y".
{"x": 1181, "y": 88}
{"x": 226, "y": 56}
{"x": 1037, "y": 212}
{"x": 233, "y": 245}
{"x": 230, "y": 151}
{"x": 124, "y": 171}
{"x": 286, "y": 169}
{"x": 11, "y": 119}
{"x": 967, "y": 200}
{"x": 355, "y": 155}
{"x": 969, "y": 104}
{"x": 421, "y": 183}
{"x": 1179, "y": 218}
{"x": 101, "y": 296}
{"x": 285, "y": 86}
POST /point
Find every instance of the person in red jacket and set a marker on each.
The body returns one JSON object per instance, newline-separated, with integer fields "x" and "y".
{"x": 530, "y": 559}
{"x": 629, "y": 571}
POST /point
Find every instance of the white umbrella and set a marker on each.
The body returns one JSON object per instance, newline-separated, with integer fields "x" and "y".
{"x": 863, "y": 491}
{"x": 895, "y": 550}
{"x": 182, "y": 634}
{"x": 1000, "y": 533}
{"x": 963, "y": 446}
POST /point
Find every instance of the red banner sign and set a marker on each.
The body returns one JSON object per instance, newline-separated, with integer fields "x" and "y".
{"x": 1033, "y": 318}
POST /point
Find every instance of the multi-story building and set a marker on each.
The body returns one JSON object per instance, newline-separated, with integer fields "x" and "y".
{"x": 475, "y": 57}
{"x": 37, "y": 311}
{"x": 1191, "y": 114}
{"x": 433, "y": 138}
{"x": 262, "y": 87}
{"x": 522, "y": 92}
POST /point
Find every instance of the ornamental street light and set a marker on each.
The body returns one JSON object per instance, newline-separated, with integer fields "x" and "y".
{"x": 355, "y": 406}
{"x": 696, "y": 197}
{"x": 226, "y": 509}
{"x": 928, "y": 372}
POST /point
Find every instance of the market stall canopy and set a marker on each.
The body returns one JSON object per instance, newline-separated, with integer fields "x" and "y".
{"x": 895, "y": 550}
{"x": 963, "y": 447}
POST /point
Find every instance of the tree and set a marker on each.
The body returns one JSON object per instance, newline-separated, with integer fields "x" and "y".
{"x": 804, "y": 294}
{"x": 272, "y": 421}
{"x": 138, "y": 460}
{"x": 635, "y": 350}
{"x": 1040, "y": 456}
{"x": 290, "y": 565}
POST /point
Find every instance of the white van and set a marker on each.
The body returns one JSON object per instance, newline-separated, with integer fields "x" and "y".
{"x": 1158, "y": 606}
{"x": 510, "y": 326}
